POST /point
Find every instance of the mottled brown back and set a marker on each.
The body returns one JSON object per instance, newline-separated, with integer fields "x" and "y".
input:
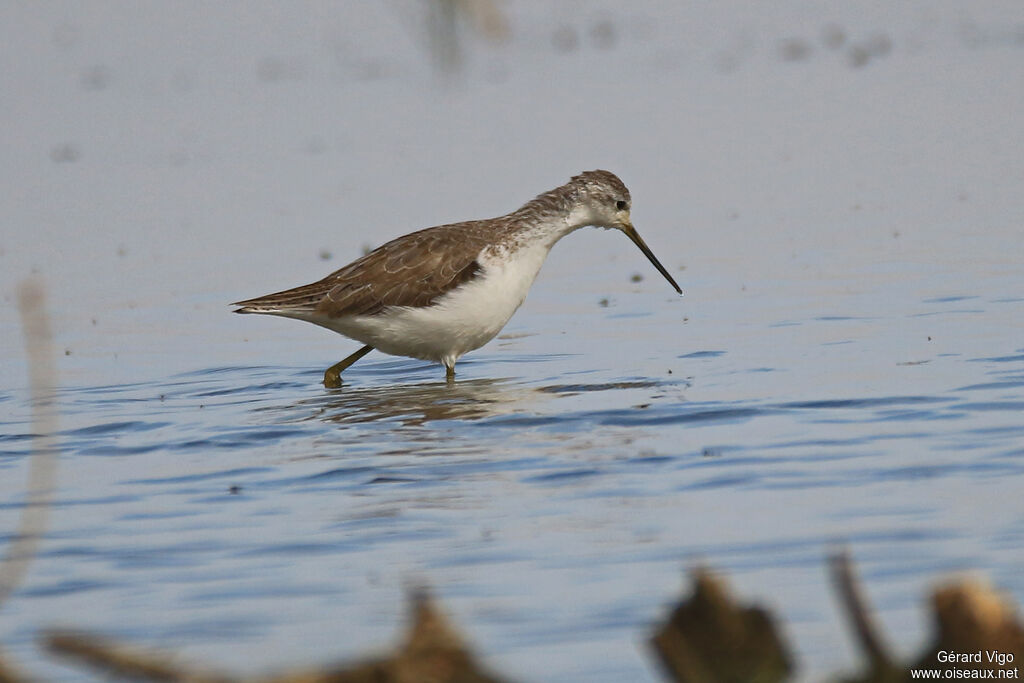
{"x": 413, "y": 270}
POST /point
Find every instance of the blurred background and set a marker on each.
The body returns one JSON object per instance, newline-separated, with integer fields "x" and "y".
{"x": 835, "y": 185}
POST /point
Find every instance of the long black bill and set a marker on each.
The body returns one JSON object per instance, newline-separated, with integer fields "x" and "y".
{"x": 632, "y": 234}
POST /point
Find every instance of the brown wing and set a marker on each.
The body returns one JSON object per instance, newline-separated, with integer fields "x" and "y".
{"x": 413, "y": 270}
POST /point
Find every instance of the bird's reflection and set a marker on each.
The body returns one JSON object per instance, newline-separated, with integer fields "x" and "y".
{"x": 424, "y": 397}
{"x": 415, "y": 403}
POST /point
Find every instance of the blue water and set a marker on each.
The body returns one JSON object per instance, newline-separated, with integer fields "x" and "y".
{"x": 247, "y": 517}
{"x": 836, "y": 187}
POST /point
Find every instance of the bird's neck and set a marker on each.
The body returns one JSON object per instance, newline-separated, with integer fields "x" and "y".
{"x": 547, "y": 219}
{"x": 544, "y": 230}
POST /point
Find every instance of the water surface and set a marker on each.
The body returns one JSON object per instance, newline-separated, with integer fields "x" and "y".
{"x": 847, "y": 366}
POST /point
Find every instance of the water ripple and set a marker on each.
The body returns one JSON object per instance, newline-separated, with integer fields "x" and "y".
{"x": 221, "y": 474}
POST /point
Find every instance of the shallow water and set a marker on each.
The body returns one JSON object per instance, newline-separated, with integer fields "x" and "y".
{"x": 551, "y": 503}
{"x": 846, "y": 367}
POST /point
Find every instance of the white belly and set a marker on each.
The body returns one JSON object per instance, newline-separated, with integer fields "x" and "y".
{"x": 462, "y": 320}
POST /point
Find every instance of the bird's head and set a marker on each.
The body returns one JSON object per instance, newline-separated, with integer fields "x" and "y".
{"x": 602, "y": 200}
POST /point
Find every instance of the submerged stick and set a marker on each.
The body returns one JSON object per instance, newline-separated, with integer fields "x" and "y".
{"x": 122, "y": 661}
{"x": 42, "y": 461}
{"x": 844, "y": 580}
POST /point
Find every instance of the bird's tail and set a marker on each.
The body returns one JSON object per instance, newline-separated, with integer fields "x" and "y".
{"x": 298, "y": 302}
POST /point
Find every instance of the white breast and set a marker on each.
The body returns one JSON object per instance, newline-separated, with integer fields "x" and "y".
{"x": 462, "y": 320}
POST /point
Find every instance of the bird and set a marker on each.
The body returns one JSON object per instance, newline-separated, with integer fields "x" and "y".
{"x": 438, "y": 293}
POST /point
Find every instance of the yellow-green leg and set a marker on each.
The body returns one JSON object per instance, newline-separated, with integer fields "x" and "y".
{"x": 332, "y": 376}
{"x": 449, "y": 372}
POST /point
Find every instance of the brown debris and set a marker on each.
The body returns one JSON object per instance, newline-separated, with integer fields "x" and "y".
{"x": 7, "y": 675}
{"x": 43, "y": 462}
{"x": 125, "y": 661}
{"x": 881, "y": 668}
{"x": 710, "y": 639}
{"x": 971, "y": 617}
{"x": 433, "y": 652}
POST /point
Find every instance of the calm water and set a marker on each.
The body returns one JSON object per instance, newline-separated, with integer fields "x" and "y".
{"x": 246, "y": 516}
{"x": 846, "y": 367}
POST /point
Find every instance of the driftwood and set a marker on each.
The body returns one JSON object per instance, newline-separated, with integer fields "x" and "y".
{"x": 42, "y": 465}
{"x": 433, "y": 652}
{"x": 124, "y": 661}
{"x": 881, "y": 667}
{"x": 969, "y": 618}
{"x": 709, "y": 638}
{"x": 7, "y": 675}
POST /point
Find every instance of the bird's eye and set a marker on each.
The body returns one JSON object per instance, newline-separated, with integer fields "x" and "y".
{"x": 621, "y": 205}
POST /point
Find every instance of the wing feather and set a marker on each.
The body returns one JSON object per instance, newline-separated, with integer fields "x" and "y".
{"x": 413, "y": 270}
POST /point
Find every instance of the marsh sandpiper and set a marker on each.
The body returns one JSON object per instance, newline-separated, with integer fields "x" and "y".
{"x": 438, "y": 293}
